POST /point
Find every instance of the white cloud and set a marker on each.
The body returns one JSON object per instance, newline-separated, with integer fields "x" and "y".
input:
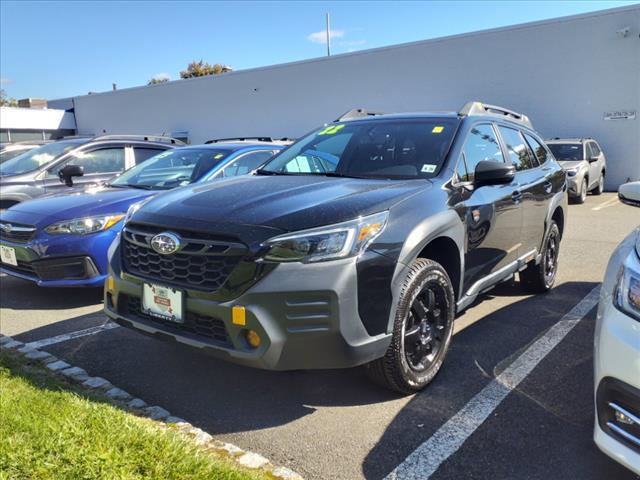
{"x": 165, "y": 77}
{"x": 321, "y": 37}
{"x": 5, "y": 81}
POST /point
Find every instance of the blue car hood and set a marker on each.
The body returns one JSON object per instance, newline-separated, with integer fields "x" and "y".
{"x": 66, "y": 206}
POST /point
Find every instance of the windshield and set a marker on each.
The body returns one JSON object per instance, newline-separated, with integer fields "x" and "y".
{"x": 566, "y": 151}
{"x": 9, "y": 154}
{"x": 173, "y": 168}
{"x": 38, "y": 157}
{"x": 389, "y": 149}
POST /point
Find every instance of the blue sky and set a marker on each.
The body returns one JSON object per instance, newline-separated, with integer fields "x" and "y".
{"x": 56, "y": 49}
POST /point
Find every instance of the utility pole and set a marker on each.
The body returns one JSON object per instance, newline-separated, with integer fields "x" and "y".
{"x": 328, "y": 35}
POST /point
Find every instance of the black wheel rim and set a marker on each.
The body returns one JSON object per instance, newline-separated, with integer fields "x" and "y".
{"x": 551, "y": 257}
{"x": 425, "y": 327}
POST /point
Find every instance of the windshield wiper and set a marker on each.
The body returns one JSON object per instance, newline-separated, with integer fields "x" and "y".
{"x": 260, "y": 171}
{"x": 341, "y": 175}
{"x": 131, "y": 185}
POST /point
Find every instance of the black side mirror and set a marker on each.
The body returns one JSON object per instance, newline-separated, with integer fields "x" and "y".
{"x": 629, "y": 193}
{"x": 67, "y": 173}
{"x": 490, "y": 172}
{"x": 594, "y": 159}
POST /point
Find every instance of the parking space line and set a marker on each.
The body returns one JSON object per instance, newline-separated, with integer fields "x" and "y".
{"x": 70, "y": 336}
{"x": 428, "y": 457}
{"x": 608, "y": 203}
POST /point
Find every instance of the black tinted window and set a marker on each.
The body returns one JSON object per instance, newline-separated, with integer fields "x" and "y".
{"x": 481, "y": 144}
{"x": 107, "y": 160}
{"x": 143, "y": 154}
{"x": 538, "y": 149}
{"x": 517, "y": 149}
{"x": 372, "y": 149}
{"x": 595, "y": 149}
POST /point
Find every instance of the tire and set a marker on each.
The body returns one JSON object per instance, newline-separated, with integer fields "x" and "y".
{"x": 427, "y": 308}
{"x": 582, "y": 195}
{"x": 600, "y": 187}
{"x": 541, "y": 277}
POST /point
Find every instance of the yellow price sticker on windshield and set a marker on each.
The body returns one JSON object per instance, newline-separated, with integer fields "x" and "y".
{"x": 438, "y": 129}
{"x": 331, "y": 130}
{"x": 218, "y": 156}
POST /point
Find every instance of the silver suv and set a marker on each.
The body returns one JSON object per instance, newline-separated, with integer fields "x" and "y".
{"x": 584, "y": 162}
{"x": 91, "y": 160}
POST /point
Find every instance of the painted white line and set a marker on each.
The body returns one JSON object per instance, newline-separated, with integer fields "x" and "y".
{"x": 426, "y": 459}
{"x": 608, "y": 203}
{"x": 70, "y": 336}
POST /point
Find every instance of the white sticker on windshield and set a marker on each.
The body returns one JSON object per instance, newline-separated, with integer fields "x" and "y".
{"x": 428, "y": 168}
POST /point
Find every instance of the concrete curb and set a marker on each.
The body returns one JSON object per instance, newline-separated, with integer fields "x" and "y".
{"x": 138, "y": 406}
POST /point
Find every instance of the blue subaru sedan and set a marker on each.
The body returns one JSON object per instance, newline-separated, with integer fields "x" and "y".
{"x": 62, "y": 240}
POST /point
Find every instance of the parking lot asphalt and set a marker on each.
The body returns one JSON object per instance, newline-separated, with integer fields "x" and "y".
{"x": 336, "y": 424}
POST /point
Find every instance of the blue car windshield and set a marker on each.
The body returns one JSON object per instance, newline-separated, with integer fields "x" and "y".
{"x": 172, "y": 168}
{"x": 38, "y": 157}
{"x": 385, "y": 149}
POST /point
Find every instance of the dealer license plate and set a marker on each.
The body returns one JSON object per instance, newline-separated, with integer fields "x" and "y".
{"x": 162, "y": 302}
{"x": 8, "y": 255}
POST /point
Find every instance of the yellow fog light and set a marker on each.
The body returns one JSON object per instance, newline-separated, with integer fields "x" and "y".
{"x": 111, "y": 283}
{"x": 253, "y": 338}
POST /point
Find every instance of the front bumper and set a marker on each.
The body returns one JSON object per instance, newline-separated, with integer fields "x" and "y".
{"x": 574, "y": 184}
{"x": 61, "y": 261}
{"x": 305, "y": 314}
{"x": 617, "y": 370}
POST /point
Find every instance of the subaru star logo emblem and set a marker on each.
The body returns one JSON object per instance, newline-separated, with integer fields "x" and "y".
{"x": 166, "y": 243}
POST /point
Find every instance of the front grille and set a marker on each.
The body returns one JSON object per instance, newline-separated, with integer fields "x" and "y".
{"x": 195, "y": 324}
{"x": 201, "y": 263}
{"x": 65, "y": 268}
{"x": 25, "y": 268}
{"x": 15, "y": 232}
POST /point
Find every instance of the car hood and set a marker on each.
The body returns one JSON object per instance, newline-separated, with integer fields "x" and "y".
{"x": 567, "y": 164}
{"x": 65, "y": 206}
{"x": 282, "y": 202}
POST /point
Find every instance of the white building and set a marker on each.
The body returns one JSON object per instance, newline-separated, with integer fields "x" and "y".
{"x": 572, "y": 76}
{"x": 20, "y": 124}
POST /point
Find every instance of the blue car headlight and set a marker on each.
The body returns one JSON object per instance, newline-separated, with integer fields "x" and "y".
{"x": 84, "y": 225}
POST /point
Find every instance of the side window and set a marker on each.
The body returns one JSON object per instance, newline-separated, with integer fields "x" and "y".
{"x": 246, "y": 163}
{"x": 539, "y": 150}
{"x": 517, "y": 149}
{"x": 588, "y": 151}
{"x": 142, "y": 154}
{"x": 461, "y": 172}
{"x": 481, "y": 144}
{"x": 107, "y": 160}
{"x": 595, "y": 148}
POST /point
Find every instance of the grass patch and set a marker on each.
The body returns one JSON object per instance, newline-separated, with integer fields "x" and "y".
{"x": 51, "y": 428}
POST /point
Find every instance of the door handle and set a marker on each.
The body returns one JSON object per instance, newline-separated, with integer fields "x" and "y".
{"x": 516, "y": 196}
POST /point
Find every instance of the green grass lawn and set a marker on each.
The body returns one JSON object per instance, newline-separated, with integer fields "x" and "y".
{"x": 51, "y": 429}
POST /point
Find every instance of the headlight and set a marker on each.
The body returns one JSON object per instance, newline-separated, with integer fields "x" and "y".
{"x": 348, "y": 239}
{"x": 84, "y": 226}
{"x": 626, "y": 295}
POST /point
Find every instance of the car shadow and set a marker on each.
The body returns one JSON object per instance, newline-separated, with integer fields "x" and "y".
{"x": 18, "y": 294}
{"x": 478, "y": 354}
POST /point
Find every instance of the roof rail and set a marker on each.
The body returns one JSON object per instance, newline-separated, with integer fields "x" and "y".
{"x": 356, "y": 113}
{"x": 479, "y": 108}
{"x": 250, "y": 139}
{"x": 145, "y": 138}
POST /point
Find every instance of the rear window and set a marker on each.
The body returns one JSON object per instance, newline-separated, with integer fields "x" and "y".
{"x": 566, "y": 151}
{"x": 371, "y": 149}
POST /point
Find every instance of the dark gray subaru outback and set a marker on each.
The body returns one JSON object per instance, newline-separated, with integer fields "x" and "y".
{"x": 357, "y": 245}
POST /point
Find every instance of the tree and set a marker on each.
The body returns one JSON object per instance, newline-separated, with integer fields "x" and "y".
{"x": 201, "y": 69}
{"x": 160, "y": 78}
{"x": 6, "y": 101}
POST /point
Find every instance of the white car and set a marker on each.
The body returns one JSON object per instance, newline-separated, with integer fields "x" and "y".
{"x": 617, "y": 349}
